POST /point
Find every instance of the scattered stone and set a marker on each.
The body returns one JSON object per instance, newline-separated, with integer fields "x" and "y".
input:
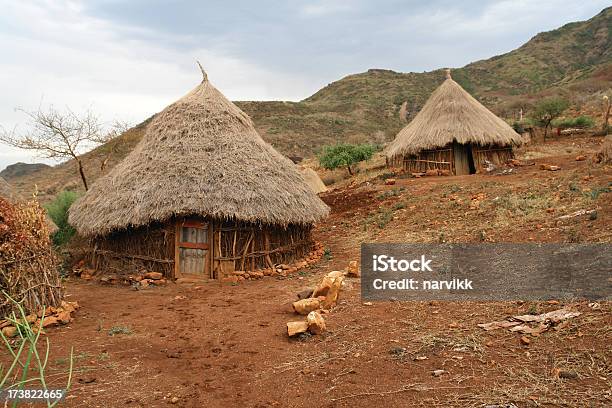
{"x": 390, "y": 181}
{"x": 331, "y": 298}
{"x": 174, "y": 400}
{"x": 305, "y": 306}
{"x": 306, "y": 293}
{"x": 525, "y": 340}
{"x": 316, "y": 323}
{"x": 549, "y": 167}
{"x": 87, "y": 380}
{"x": 295, "y": 328}
{"x": 568, "y": 375}
{"x": 352, "y": 270}
{"x": 581, "y": 157}
{"x": 9, "y": 331}
{"x": 437, "y": 373}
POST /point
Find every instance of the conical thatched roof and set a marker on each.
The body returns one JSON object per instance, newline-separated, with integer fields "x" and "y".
{"x": 7, "y": 192}
{"x": 451, "y": 114}
{"x": 199, "y": 156}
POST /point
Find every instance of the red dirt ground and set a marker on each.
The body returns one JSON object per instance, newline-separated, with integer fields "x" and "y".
{"x": 224, "y": 345}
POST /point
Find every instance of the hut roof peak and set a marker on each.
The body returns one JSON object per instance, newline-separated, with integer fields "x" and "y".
{"x": 204, "y": 74}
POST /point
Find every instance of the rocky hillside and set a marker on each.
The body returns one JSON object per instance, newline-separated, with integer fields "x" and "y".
{"x": 22, "y": 169}
{"x": 574, "y": 61}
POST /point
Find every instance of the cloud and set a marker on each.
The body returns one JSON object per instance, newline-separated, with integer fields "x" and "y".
{"x": 327, "y": 7}
{"x": 128, "y": 59}
{"x": 68, "y": 58}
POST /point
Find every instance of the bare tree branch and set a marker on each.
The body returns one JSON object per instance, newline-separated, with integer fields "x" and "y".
{"x": 62, "y": 135}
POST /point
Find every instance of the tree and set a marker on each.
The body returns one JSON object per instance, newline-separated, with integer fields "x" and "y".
{"x": 548, "y": 110}
{"x": 60, "y": 136}
{"x": 345, "y": 155}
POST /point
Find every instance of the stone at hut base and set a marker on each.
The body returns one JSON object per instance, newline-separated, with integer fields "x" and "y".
{"x": 154, "y": 275}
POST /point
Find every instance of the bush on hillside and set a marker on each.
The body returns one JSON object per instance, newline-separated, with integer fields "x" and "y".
{"x": 581, "y": 122}
{"x": 548, "y": 110}
{"x": 345, "y": 155}
{"x": 58, "y": 211}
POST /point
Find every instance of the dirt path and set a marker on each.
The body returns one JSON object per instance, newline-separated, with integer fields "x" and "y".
{"x": 225, "y": 346}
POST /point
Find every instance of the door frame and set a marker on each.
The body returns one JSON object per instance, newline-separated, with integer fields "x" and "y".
{"x": 178, "y": 244}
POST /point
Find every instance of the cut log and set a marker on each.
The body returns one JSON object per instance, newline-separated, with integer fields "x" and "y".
{"x": 295, "y": 328}
{"x": 316, "y": 323}
{"x": 306, "y": 306}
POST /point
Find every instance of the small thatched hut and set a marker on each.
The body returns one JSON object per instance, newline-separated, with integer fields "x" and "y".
{"x": 312, "y": 179}
{"x": 201, "y": 194}
{"x": 453, "y": 132}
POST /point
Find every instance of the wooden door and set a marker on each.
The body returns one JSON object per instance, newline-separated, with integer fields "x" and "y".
{"x": 192, "y": 248}
{"x": 462, "y": 156}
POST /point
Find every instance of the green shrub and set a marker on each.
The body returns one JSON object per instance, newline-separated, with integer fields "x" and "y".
{"x": 548, "y": 110}
{"x": 582, "y": 122}
{"x": 58, "y": 211}
{"x": 345, "y": 155}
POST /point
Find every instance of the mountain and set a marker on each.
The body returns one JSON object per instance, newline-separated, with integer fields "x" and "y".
{"x": 22, "y": 169}
{"x": 574, "y": 61}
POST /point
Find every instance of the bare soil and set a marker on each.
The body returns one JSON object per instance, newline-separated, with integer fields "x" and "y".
{"x": 216, "y": 345}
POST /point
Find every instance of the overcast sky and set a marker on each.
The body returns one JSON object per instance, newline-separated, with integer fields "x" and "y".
{"x": 128, "y": 59}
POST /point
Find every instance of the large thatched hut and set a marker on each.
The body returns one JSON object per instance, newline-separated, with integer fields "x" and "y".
{"x": 453, "y": 132}
{"x": 201, "y": 194}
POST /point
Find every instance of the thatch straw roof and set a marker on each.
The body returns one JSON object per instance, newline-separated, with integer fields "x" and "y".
{"x": 451, "y": 114}
{"x": 8, "y": 193}
{"x": 312, "y": 179}
{"x": 199, "y": 156}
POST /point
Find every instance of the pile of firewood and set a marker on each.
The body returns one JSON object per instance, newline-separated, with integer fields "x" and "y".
{"x": 52, "y": 316}
{"x": 278, "y": 270}
{"x": 313, "y": 303}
